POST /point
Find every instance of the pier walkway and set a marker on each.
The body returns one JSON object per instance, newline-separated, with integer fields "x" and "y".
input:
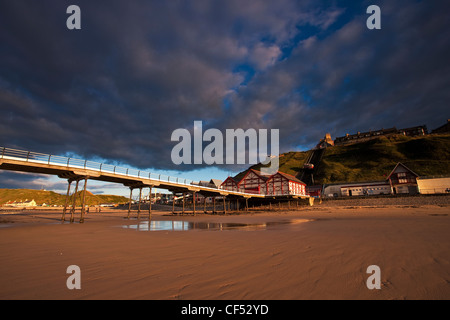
{"x": 76, "y": 170}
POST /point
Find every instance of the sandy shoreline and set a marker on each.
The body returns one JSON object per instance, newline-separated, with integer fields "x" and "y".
{"x": 325, "y": 258}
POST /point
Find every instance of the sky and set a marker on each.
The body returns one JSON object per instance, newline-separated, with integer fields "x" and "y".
{"x": 115, "y": 90}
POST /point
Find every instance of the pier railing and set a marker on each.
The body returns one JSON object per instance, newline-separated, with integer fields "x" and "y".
{"x": 34, "y": 157}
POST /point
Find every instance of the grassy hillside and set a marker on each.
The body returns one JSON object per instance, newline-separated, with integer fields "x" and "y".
{"x": 290, "y": 163}
{"x": 374, "y": 159}
{"x": 53, "y": 198}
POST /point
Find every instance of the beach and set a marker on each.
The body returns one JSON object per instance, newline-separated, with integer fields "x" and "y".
{"x": 319, "y": 252}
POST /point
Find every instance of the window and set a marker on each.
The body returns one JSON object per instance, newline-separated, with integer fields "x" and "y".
{"x": 401, "y": 174}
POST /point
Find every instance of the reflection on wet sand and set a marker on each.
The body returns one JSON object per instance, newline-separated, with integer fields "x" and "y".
{"x": 169, "y": 225}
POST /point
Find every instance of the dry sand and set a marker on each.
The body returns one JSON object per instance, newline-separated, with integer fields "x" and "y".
{"x": 325, "y": 258}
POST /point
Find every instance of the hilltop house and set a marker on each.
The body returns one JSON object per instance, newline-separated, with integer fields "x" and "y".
{"x": 443, "y": 129}
{"x": 365, "y": 136}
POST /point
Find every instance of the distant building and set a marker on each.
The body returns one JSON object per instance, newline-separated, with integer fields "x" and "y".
{"x": 349, "y": 189}
{"x": 21, "y": 204}
{"x": 414, "y": 131}
{"x": 365, "y": 136}
{"x": 443, "y": 129}
{"x": 230, "y": 184}
{"x": 213, "y": 183}
{"x": 433, "y": 185}
{"x": 325, "y": 142}
{"x": 403, "y": 180}
{"x": 314, "y": 191}
{"x": 366, "y": 188}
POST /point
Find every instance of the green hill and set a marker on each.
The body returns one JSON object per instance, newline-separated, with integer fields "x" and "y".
{"x": 52, "y": 198}
{"x": 374, "y": 159}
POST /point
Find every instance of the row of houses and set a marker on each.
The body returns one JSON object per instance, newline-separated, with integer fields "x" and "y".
{"x": 21, "y": 204}
{"x": 278, "y": 184}
{"x": 364, "y": 136}
{"x": 401, "y": 180}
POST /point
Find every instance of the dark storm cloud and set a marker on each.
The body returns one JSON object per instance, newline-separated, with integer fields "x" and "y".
{"x": 14, "y": 180}
{"x": 137, "y": 70}
{"x": 356, "y": 79}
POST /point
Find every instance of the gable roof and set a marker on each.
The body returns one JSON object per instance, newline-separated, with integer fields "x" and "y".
{"x": 258, "y": 173}
{"x": 215, "y": 182}
{"x": 288, "y": 176}
{"x": 229, "y": 179}
{"x": 401, "y": 164}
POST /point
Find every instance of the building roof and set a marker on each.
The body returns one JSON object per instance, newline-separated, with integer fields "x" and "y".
{"x": 215, "y": 182}
{"x": 288, "y": 176}
{"x": 258, "y": 173}
{"x": 443, "y": 128}
{"x": 230, "y": 179}
{"x": 401, "y": 164}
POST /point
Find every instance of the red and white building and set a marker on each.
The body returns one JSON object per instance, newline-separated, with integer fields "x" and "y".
{"x": 282, "y": 184}
{"x": 253, "y": 182}
{"x": 403, "y": 180}
{"x": 275, "y": 185}
{"x": 229, "y": 184}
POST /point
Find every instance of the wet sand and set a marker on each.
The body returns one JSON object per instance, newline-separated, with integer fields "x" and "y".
{"x": 324, "y": 258}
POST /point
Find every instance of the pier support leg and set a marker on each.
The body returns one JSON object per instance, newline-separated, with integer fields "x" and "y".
{"x": 139, "y": 204}
{"x": 182, "y": 211}
{"x": 150, "y": 204}
{"x": 72, "y": 211}
{"x": 193, "y": 200}
{"x": 204, "y": 204}
{"x": 63, "y": 218}
{"x": 224, "y": 206}
{"x": 129, "y": 203}
{"x": 173, "y": 204}
{"x": 246, "y": 204}
{"x": 83, "y": 202}
{"x": 214, "y": 205}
